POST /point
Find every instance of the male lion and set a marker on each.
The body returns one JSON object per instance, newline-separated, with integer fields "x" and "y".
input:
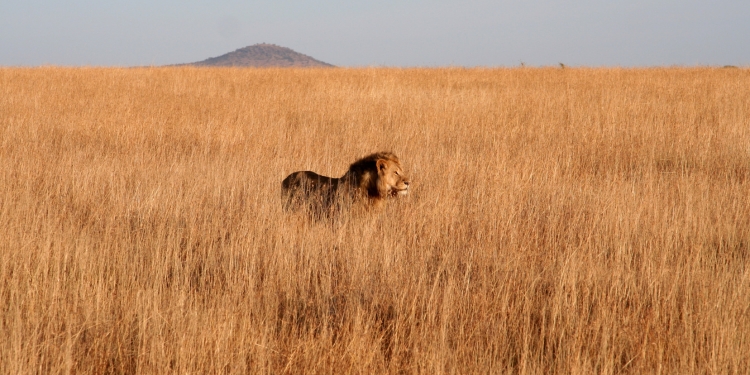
{"x": 368, "y": 181}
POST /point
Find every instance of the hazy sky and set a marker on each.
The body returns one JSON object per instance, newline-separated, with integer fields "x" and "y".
{"x": 375, "y": 33}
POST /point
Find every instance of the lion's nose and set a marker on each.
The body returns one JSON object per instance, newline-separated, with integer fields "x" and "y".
{"x": 406, "y": 183}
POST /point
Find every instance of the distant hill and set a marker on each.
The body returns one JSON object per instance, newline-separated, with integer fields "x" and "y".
{"x": 262, "y": 55}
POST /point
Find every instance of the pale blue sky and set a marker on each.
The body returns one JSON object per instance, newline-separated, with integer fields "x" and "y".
{"x": 382, "y": 33}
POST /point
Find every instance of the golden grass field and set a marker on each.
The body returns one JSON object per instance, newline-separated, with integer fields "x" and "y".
{"x": 560, "y": 221}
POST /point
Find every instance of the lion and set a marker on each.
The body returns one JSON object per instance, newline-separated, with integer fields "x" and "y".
{"x": 368, "y": 182}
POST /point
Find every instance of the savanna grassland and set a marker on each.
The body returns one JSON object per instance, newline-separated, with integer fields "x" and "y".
{"x": 560, "y": 221}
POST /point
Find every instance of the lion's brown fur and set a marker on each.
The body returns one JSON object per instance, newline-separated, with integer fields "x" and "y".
{"x": 368, "y": 181}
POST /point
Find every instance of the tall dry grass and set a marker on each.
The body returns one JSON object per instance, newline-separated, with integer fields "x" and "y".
{"x": 561, "y": 221}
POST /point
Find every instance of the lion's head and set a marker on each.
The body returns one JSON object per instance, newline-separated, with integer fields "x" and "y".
{"x": 392, "y": 180}
{"x": 380, "y": 175}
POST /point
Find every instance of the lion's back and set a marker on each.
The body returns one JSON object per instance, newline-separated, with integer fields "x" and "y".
{"x": 307, "y": 188}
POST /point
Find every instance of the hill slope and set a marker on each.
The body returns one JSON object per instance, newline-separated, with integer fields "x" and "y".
{"x": 263, "y": 55}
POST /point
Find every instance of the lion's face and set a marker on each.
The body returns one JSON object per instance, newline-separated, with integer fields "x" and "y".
{"x": 392, "y": 177}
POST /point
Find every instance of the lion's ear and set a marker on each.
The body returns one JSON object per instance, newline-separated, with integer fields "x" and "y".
{"x": 382, "y": 165}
